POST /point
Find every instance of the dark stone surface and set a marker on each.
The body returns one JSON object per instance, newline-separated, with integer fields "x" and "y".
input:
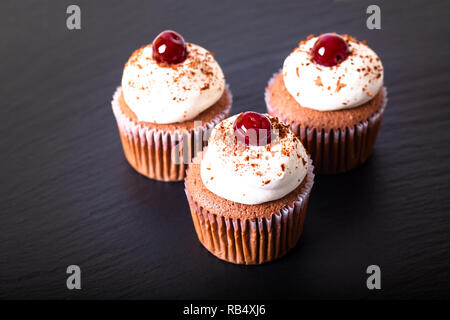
{"x": 69, "y": 197}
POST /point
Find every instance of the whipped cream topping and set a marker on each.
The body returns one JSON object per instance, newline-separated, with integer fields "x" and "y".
{"x": 349, "y": 84}
{"x": 176, "y": 93}
{"x": 253, "y": 174}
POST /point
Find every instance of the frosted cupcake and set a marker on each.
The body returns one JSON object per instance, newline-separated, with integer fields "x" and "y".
{"x": 330, "y": 91}
{"x": 172, "y": 94}
{"x": 249, "y": 191}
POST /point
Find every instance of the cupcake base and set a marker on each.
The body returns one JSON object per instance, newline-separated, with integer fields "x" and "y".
{"x": 335, "y": 149}
{"x": 162, "y": 153}
{"x": 249, "y": 240}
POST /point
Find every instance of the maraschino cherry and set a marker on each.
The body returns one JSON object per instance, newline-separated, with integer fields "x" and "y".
{"x": 169, "y": 48}
{"x": 329, "y": 50}
{"x": 253, "y": 129}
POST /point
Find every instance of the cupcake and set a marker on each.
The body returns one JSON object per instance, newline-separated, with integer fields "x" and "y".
{"x": 330, "y": 91}
{"x": 172, "y": 94}
{"x": 249, "y": 190}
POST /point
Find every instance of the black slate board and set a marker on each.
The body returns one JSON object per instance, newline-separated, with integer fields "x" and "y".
{"x": 69, "y": 197}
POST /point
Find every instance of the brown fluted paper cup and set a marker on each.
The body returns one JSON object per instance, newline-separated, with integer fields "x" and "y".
{"x": 157, "y": 154}
{"x": 252, "y": 241}
{"x": 340, "y": 149}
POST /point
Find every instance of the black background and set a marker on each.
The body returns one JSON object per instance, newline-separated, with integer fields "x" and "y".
{"x": 68, "y": 195}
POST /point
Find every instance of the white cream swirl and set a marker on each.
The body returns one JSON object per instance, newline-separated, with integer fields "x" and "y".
{"x": 168, "y": 94}
{"x": 350, "y": 84}
{"x": 253, "y": 174}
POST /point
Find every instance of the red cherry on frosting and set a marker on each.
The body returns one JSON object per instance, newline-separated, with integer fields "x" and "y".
{"x": 329, "y": 50}
{"x": 169, "y": 48}
{"x": 253, "y": 129}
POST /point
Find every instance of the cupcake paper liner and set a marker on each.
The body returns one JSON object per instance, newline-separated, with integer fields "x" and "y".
{"x": 252, "y": 241}
{"x": 162, "y": 155}
{"x": 336, "y": 150}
